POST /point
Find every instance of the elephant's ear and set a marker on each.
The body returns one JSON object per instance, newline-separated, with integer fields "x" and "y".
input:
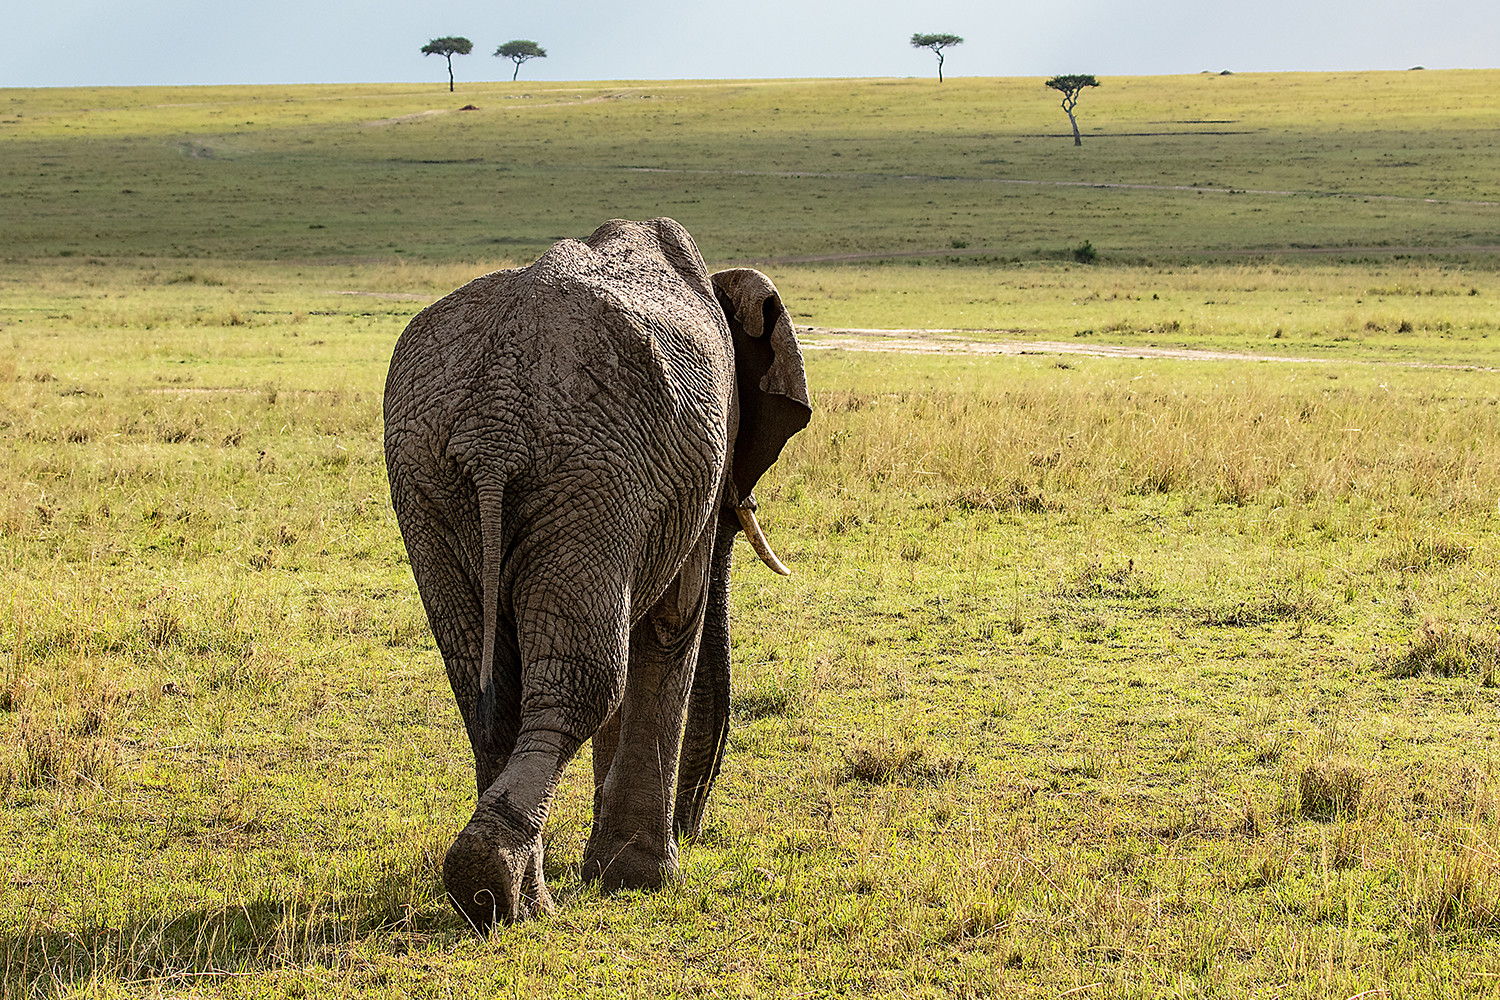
{"x": 774, "y": 403}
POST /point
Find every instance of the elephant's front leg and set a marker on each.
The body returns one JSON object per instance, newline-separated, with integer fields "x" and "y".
{"x": 632, "y": 845}
{"x": 707, "y": 730}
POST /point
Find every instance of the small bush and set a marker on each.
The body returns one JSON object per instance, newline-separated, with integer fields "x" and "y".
{"x": 1085, "y": 253}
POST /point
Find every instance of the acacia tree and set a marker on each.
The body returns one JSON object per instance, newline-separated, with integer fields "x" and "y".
{"x": 520, "y": 50}
{"x": 1070, "y": 87}
{"x": 936, "y": 43}
{"x": 454, "y": 45}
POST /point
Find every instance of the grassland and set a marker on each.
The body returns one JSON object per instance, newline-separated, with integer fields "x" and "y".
{"x": 1121, "y": 677}
{"x": 765, "y": 169}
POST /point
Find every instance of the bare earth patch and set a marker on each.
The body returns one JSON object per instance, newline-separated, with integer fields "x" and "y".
{"x": 397, "y": 296}
{"x": 949, "y": 341}
{"x": 407, "y": 118}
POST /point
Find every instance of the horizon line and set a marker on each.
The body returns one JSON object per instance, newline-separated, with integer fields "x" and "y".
{"x": 735, "y": 79}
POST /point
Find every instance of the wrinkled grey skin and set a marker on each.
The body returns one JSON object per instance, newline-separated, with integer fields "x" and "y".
{"x": 565, "y": 444}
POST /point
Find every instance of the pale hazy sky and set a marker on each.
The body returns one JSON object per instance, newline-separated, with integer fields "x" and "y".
{"x": 93, "y": 42}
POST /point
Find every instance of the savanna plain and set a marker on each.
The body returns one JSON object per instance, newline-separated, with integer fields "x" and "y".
{"x": 1145, "y": 626}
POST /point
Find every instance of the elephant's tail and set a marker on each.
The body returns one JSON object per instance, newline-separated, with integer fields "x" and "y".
{"x": 491, "y": 560}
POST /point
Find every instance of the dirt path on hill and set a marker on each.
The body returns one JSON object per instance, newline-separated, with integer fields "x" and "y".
{"x": 1032, "y": 182}
{"x": 846, "y": 258}
{"x": 407, "y": 118}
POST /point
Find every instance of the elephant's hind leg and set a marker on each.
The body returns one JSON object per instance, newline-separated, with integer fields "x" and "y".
{"x": 632, "y": 845}
{"x": 452, "y": 599}
{"x": 573, "y": 652}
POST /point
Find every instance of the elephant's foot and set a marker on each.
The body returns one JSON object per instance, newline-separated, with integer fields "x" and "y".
{"x": 627, "y": 864}
{"x": 489, "y": 882}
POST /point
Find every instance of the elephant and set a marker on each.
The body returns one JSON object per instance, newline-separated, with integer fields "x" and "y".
{"x": 572, "y": 448}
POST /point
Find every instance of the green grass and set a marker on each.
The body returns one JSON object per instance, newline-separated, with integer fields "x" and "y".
{"x": 1170, "y": 676}
{"x": 296, "y": 314}
{"x": 1394, "y": 311}
{"x": 1129, "y": 677}
{"x": 762, "y": 169}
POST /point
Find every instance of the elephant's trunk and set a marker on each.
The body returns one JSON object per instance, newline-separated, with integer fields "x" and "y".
{"x": 757, "y": 539}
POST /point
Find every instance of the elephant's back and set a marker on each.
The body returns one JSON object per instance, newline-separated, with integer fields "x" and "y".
{"x": 437, "y": 367}
{"x": 601, "y": 370}
{"x": 610, "y": 327}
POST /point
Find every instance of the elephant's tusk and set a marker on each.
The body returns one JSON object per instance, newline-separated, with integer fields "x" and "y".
{"x": 758, "y": 540}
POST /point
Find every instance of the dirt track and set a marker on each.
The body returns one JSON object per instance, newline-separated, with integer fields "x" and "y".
{"x": 816, "y": 338}
{"x": 954, "y": 341}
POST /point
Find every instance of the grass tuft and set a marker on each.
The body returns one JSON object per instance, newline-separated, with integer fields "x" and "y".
{"x": 1019, "y": 497}
{"x": 1268, "y": 610}
{"x": 1119, "y": 582}
{"x": 1422, "y": 555}
{"x": 1460, "y": 889}
{"x": 51, "y": 755}
{"x": 1328, "y": 790}
{"x": 885, "y": 760}
{"x": 1444, "y": 650}
{"x": 766, "y": 701}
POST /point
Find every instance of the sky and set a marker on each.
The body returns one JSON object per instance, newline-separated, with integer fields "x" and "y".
{"x": 54, "y": 43}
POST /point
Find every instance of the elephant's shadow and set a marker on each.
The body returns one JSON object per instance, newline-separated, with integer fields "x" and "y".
{"x": 277, "y": 930}
{"x": 406, "y": 909}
